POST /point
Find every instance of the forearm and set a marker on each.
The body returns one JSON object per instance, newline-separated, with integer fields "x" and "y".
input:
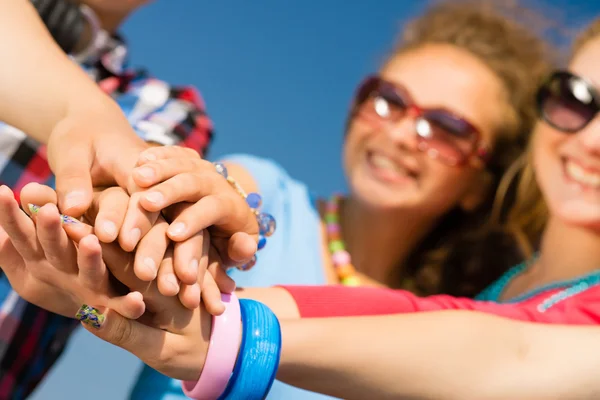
{"x": 39, "y": 84}
{"x": 277, "y": 299}
{"x": 449, "y": 355}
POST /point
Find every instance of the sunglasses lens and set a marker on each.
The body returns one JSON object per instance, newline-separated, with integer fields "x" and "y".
{"x": 567, "y": 102}
{"x": 450, "y": 137}
{"x": 379, "y": 100}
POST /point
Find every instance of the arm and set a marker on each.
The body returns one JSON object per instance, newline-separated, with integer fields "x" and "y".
{"x": 341, "y": 301}
{"x": 450, "y": 355}
{"x": 37, "y": 77}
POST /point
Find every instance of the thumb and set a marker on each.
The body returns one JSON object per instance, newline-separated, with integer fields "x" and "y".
{"x": 141, "y": 340}
{"x": 71, "y": 161}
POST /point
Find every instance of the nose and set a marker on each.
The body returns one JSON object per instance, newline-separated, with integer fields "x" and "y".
{"x": 403, "y": 131}
{"x": 590, "y": 136}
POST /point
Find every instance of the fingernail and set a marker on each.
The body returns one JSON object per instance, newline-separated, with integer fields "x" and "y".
{"x": 145, "y": 172}
{"x": 109, "y": 228}
{"x": 68, "y": 220}
{"x": 73, "y": 199}
{"x": 134, "y": 235}
{"x": 65, "y": 219}
{"x": 194, "y": 266}
{"x": 90, "y": 316}
{"x": 150, "y": 266}
{"x": 172, "y": 281}
{"x": 154, "y": 197}
{"x": 148, "y": 157}
{"x": 177, "y": 229}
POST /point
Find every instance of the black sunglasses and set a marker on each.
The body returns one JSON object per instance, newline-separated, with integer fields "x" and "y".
{"x": 567, "y": 102}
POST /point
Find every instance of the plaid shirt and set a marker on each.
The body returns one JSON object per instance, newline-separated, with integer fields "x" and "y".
{"x": 32, "y": 339}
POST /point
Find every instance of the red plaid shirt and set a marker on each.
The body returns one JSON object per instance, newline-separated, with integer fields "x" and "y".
{"x": 32, "y": 339}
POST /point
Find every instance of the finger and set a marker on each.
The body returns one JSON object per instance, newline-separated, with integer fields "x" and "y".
{"x": 241, "y": 247}
{"x": 137, "y": 223}
{"x": 145, "y": 342}
{"x": 111, "y": 205}
{"x": 92, "y": 272}
{"x": 162, "y": 152}
{"x": 130, "y": 306}
{"x": 151, "y": 251}
{"x": 34, "y": 193}
{"x": 18, "y": 226}
{"x": 211, "y": 296}
{"x": 189, "y": 296}
{"x": 185, "y": 187}
{"x": 154, "y": 172}
{"x": 93, "y": 276}
{"x": 187, "y": 256}
{"x": 167, "y": 282}
{"x": 11, "y": 262}
{"x": 224, "y": 282}
{"x": 206, "y": 212}
{"x": 71, "y": 163}
{"x": 58, "y": 248}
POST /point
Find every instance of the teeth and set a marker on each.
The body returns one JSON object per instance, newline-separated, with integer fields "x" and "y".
{"x": 580, "y": 175}
{"x": 385, "y": 163}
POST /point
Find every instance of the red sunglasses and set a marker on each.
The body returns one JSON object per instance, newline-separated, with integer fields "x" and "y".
{"x": 441, "y": 134}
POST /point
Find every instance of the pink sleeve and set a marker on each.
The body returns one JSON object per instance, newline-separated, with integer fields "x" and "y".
{"x": 342, "y": 301}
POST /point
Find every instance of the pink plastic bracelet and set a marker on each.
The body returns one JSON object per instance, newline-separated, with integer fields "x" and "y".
{"x": 222, "y": 353}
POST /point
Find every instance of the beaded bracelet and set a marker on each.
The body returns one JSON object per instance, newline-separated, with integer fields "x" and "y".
{"x": 259, "y": 353}
{"x": 266, "y": 222}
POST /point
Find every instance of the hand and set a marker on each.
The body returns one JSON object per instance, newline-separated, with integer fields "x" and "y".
{"x": 25, "y": 254}
{"x": 114, "y": 207}
{"x": 173, "y": 175}
{"x": 169, "y": 338}
{"x": 82, "y": 153}
{"x": 151, "y": 249}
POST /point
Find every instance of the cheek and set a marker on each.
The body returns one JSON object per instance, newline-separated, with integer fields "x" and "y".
{"x": 446, "y": 186}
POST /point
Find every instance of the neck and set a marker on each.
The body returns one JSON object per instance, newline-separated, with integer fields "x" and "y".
{"x": 567, "y": 251}
{"x": 111, "y": 21}
{"x": 380, "y": 242}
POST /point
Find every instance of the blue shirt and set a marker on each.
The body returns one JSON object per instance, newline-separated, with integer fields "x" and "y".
{"x": 293, "y": 255}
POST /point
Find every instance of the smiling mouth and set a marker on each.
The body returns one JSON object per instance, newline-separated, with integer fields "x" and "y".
{"x": 388, "y": 169}
{"x": 580, "y": 175}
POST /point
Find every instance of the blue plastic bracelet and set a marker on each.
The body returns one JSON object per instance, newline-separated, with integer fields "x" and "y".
{"x": 260, "y": 350}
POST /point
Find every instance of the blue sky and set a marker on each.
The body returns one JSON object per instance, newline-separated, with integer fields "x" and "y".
{"x": 277, "y": 77}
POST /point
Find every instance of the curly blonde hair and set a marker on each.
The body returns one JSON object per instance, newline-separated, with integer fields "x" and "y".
{"x": 454, "y": 257}
{"x": 529, "y": 214}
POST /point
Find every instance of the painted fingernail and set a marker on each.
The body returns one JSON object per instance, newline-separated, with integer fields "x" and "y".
{"x": 73, "y": 199}
{"x": 134, "y": 235}
{"x": 90, "y": 316}
{"x": 68, "y": 220}
{"x": 33, "y": 208}
{"x": 109, "y": 228}
{"x": 150, "y": 266}
{"x": 145, "y": 172}
{"x": 177, "y": 229}
{"x": 65, "y": 219}
{"x": 154, "y": 197}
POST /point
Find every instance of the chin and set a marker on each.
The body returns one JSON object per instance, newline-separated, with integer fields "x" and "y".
{"x": 581, "y": 216}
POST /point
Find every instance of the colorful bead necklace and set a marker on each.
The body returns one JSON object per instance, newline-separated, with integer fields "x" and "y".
{"x": 340, "y": 258}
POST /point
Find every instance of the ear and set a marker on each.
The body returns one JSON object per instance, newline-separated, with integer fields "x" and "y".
{"x": 477, "y": 192}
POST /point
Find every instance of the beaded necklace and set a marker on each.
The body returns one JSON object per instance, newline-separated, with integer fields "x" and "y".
{"x": 570, "y": 288}
{"x": 340, "y": 258}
